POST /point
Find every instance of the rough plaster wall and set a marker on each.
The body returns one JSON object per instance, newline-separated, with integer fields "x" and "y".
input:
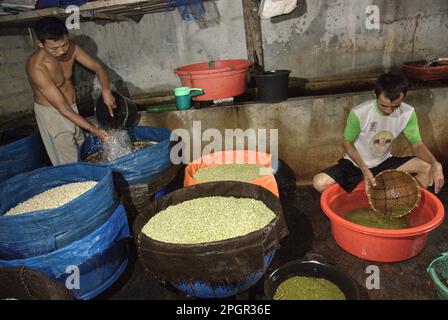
{"x": 331, "y": 39}
{"x": 15, "y": 93}
{"x": 310, "y": 129}
{"x": 142, "y": 56}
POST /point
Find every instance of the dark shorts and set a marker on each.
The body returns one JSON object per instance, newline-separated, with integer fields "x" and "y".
{"x": 348, "y": 176}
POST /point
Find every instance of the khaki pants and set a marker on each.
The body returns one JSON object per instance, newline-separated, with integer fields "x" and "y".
{"x": 61, "y": 137}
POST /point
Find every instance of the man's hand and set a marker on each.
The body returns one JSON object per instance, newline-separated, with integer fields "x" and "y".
{"x": 109, "y": 100}
{"x": 102, "y": 134}
{"x": 369, "y": 179}
{"x": 101, "y": 72}
{"x": 436, "y": 177}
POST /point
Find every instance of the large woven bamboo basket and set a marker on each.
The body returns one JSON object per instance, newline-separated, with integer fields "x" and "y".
{"x": 396, "y": 193}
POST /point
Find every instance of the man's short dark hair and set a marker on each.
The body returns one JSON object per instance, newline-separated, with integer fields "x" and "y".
{"x": 392, "y": 85}
{"x": 50, "y": 28}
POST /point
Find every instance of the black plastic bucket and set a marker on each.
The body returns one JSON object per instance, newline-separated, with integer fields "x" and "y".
{"x": 313, "y": 269}
{"x": 125, "y": 113}
{"x": 273, "y": 85}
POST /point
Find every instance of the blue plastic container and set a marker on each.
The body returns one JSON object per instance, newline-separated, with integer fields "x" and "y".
{"x": 22, "y": 155}
{"x": 66, "y": 3}
{"x": 221, "y": 290}
{"x": 41, "y": 4}
{"x": 101, "y": 257}
{"x": 142, "y": 166}
{"x": 40, "y": 232}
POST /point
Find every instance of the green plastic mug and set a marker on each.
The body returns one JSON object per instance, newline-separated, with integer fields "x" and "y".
{"x": 183, "y": 96}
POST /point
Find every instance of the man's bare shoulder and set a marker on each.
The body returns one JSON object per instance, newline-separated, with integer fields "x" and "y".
{"x": 35, "y": 62}
{"x": 36, "y": 68}
{"x": 74, "y": 49}
{"x": 74, "y": 46}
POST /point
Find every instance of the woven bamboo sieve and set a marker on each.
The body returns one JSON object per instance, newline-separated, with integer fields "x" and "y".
{"x": 396, "y": 193}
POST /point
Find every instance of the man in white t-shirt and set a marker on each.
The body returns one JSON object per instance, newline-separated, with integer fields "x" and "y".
{"x": 368, "y": 136}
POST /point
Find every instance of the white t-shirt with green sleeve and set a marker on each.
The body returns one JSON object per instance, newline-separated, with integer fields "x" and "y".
{"x": 373, "y": 132}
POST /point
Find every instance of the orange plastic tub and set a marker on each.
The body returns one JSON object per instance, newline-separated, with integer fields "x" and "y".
{"x": 218, "y": 79}
{"x": 231, "y": 157}
{"x": 378, "y": 244}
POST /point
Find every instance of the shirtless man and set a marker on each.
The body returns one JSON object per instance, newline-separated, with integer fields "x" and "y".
{"x": 49, "y": 71}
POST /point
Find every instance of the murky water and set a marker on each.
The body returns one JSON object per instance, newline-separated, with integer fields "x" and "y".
{"x": 369, "y": 218}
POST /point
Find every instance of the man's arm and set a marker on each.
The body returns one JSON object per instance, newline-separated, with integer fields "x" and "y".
{"x": 356, "y": 157}
{"x": 419, "y": 149}
{"x": 351, "y": 133}
{"x": 90, "y": 63}
{"x": 42, "y": 82}
{"x": 436, "y": 173}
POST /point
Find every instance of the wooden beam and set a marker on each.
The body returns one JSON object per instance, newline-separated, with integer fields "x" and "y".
{"x": 143, "y": 12}
{"x": 90, "y": 10}
{"x": 13, "y": 32}
{"x": 100, "y": 15}
{"x": 109, "y": 16}
{"x": 140, "y": 10}
{"x": 132, "y": 7}
{"x": 33, "y": 14}
{"x": 252, "y": 25}
{"x": 113, "y": 3}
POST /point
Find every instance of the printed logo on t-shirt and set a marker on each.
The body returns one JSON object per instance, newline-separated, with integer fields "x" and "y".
{"x": 373, "y": 126}
{"x": 381, "y": 143}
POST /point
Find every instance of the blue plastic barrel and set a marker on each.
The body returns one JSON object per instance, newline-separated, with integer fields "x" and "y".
{"x": 142, "y": 166}
{"x": 144, "y": 175}
{"x": 99, "y": 258}
{"x": 221, "y": 290}
{"x": 40, "y": 232}
{"x": 23, "y": 155}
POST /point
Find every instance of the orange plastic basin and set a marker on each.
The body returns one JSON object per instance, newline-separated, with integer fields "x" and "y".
{"x": 378, "y": 244}
{"x": 218, "y": 79}
{"x": 232, "y": 157}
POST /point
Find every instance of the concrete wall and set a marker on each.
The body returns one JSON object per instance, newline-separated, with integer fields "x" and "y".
{"x": 15, "y": 93}
{"x": 140, "y": 56}
{"x": 330, "y": 39}
{"x": 310, "y": 129}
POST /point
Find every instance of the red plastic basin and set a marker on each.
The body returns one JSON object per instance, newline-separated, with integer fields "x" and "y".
{"x": 218, "y": 79}
{"x": 416, "y": 70}
{"x": 378, "y": 244}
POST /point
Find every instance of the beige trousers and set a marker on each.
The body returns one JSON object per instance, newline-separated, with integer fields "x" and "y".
{"x": 61, "y": 137}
